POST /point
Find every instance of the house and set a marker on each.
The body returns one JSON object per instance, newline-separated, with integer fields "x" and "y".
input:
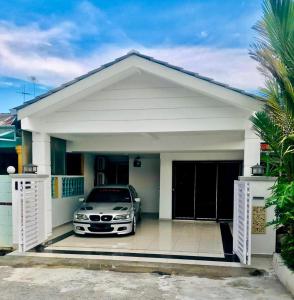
{"x": 180, "y": 138}
{"x": 10, "y": 143}
{"x": 10, "y": 155}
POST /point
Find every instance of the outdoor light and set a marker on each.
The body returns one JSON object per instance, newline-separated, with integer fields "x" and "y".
{"x": 137, "y": 162}
{"x": 257, "y": 170}
{"x": 11, "y": 170}
{"x": 30, "y": 169}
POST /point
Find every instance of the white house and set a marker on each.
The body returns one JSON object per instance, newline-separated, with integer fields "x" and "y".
{"x": 191, "y": 134}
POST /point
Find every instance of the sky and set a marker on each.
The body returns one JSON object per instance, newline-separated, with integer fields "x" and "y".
{"x": 58, "y": 40}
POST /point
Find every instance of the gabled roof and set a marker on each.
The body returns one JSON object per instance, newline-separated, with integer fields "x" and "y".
{"x": 133, "y": 53}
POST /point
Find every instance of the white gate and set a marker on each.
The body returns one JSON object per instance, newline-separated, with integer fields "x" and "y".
{"x": 29, "y": 210}
{"x": 242, "y": 221}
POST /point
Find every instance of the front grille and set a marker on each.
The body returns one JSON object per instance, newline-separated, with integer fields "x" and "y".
{"x": 106, "y": 218}
{"x": 100, "y": 228}
{"x": 94, "y": 218}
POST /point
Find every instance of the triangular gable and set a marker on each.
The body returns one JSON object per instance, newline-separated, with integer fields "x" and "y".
{"x": 128, "y": 65}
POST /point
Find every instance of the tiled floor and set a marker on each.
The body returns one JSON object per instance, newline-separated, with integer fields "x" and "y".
{"x": 155, "y": 236}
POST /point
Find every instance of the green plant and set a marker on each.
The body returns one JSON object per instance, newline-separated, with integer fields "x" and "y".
{"x": 282, "y": 198}
{"x": 274, "y": 50}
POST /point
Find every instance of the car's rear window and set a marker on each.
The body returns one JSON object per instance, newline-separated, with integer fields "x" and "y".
{"x": 109, "y": 195}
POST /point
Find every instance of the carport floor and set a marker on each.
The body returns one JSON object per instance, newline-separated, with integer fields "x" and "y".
{"x": 153, "y": 236}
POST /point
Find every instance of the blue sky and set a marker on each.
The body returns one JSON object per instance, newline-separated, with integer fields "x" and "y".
{"x": 57, "y": 40}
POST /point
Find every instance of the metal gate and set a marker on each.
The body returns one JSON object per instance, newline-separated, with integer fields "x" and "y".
{"x": 242, "y": 221}
{"x": 29, "y": 211}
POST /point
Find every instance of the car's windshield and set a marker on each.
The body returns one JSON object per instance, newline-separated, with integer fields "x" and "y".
{"x": 99, "y": 195}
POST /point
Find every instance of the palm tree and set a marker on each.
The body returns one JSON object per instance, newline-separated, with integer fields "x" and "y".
{"x": 274, "y": 50}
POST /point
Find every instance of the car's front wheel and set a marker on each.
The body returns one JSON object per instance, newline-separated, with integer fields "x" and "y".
{"x": 134, "y": 226}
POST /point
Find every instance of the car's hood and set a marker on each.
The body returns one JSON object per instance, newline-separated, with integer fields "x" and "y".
{"x": 105, "y": 208}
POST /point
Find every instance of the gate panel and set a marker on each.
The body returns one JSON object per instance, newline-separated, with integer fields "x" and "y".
{"x": 242, "y": 221}
{"x": 28, "y": 203}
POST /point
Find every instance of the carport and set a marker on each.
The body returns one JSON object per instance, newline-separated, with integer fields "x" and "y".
{"x": 164, "y": 238}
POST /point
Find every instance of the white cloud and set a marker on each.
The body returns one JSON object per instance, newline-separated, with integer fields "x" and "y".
{"x": 204, "y": 34}
{"x": 49, "y": 55}
{"x": 30, "y": 50}
{"x": 6, "y": 83}
{"x": 227, "y": 65}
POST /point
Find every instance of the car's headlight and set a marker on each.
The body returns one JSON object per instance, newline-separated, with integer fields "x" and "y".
{"x": 81, "y": 217}
{"x": 122, "y": 217}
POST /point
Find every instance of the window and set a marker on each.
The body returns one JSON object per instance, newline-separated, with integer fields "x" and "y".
{"x": 74, "y": 164}
{"x": 109, "y": 195}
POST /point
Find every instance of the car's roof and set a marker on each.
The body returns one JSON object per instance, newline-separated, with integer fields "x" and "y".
{"x": 121, "y": 186}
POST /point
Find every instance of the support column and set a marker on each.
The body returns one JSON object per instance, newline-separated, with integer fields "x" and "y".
{"x": 251, "y": 150}
{"x": 165, "y": 199}
{"x": 19, "y": 159}
{"x": 41, "y": 154}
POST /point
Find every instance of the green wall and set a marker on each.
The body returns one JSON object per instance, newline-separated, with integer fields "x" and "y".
{"x": 5, "y": 212}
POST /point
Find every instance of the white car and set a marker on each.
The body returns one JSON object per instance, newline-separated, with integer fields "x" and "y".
{"x": 109, "y": 209}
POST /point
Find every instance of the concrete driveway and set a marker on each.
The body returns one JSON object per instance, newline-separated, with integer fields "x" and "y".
{"x": 71, "y": 283}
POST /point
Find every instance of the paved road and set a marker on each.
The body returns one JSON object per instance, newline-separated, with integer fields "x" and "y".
{"x": 70, "y": 283}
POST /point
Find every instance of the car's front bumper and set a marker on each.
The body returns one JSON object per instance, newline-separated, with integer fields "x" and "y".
{"x": 102, "y": 227}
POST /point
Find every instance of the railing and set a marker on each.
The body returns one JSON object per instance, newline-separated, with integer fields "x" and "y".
{"x": 67, "y": 186}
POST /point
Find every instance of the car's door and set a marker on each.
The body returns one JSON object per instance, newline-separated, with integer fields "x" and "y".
{"x": 136, "y": 204}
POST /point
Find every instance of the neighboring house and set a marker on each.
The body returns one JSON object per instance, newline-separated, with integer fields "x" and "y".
{"x": 190, "y": 135}
{"x": 10, "y": 143}
{"x": 10, "y": 155}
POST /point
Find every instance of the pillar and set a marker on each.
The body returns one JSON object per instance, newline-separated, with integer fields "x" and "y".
{"x": 19, "y": 159}
{"x": 165, "y": 198}
{"x": 251, "y": 150}
{"x": 41, "y": 154}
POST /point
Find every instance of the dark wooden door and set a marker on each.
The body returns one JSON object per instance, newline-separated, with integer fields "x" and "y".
{"x": 183, "y": 190}
{"x": 204, "y": 190}
{"x": 227, "y": 173}
{"x": 205, "y": 193}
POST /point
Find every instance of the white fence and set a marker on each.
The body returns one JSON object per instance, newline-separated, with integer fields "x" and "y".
{"x": 242, "y": 221}
{"x": 29, "y": 210}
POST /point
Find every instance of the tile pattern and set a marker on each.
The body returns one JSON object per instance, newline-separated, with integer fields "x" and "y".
{"x": 258, "y": 220}
{"x": 157, "y": 236}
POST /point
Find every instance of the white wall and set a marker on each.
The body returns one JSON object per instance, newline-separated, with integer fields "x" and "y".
{"x": 63, "y": 209}
{"x": 146, "y": 182}
{"x": 166, "y": 159}
{"x": 251, "y": 150}
{"x": 144, "y": 103}
{"x": 157, "y": 142}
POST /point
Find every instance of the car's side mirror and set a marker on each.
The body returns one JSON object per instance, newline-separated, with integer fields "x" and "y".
{"x": 81, "y": 199}
{"x": 137, "y": 200}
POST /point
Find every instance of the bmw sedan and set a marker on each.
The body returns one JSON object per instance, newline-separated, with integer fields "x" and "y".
{"x": 108, "y": 209}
